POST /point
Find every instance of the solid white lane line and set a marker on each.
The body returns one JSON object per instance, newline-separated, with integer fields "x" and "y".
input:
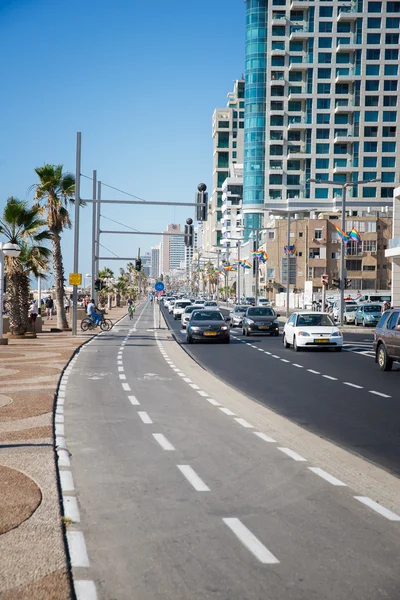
{"x": 122, "y": 376}
{"x": 77, "y": 549}
{"x": 252, "y": 543}
{"x": 293, "y": 454}
{"x": 71, "y": 509}
{"x": 162, "y": 440}
{"x": 194, "y": 386}
{"x": 385, "y": 512}
{"x": 244, "y": 423}
{"x": 264, "y": 437}
{"x": 120, "y": 369}
{"x": 133, "y": 400}
{"x": 314, "y": 372}
{"x": 201, "y": 393}
{"x": 298, "y": 366}
{"x": 126, "y": 387}
{"x": 85, "y": 589}
{"x": 379, "y": 394}
{"x": 330, "y": 378}
{"x": 145, "y": 417}
{"x": 285, "y": 360}
{"x": 213, "y": 402}
{"x": 353, "y": 385}
{"x": 193, "y": 478}
{"x": 67, "y": 482}
{"x": 327, "y": 476}
{"x": 227, "y": 411}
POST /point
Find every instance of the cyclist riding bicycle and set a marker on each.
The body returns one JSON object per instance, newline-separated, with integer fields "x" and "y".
{"x": 131, "y": 308}
{"x": 93, "y": 313}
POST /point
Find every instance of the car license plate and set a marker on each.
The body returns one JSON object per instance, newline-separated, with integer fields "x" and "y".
{"x": 321, "y": 341}
{"x": 264, "y": 326}
{"x": 210, "y": 333}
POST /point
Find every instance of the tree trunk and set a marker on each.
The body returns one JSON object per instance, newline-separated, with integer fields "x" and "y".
{"x": 58, "y": 268}
{"x": 15, "y": 301}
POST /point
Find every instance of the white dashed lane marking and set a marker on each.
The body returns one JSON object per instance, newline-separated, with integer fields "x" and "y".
{"x": 327, "y": 476}
{"x": 379, "y": 394}
{"x": 227, "y": 411}
{"x": 388, "y": 514}
{"x": 162, "y": 440}
{"x": 250, "y": 541}
{"x": 193, "y": 478}
{"x": 293, "y": 455}
{"x": 264, "y": 437}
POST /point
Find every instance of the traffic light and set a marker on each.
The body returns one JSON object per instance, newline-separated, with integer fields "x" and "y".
{"x": 201, "y": 199}
{"x": 97, "y": 285}
{"x": 138, "y": 266}
{"x": 347, "y": 284}
{"x": 336, "y": 282}
{"x": 324, "y": 279}
{"x": 189, "y": 233}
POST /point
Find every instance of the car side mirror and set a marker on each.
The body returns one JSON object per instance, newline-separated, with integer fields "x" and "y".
{"x": 398, "y": 327}
{"x": 278, "y": 314}
{"x": 227, "y": 319}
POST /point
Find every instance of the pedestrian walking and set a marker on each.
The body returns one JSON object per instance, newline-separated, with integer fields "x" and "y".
{"x": 66, "y": 305}
{"x": 33, "y": 312}
{"x": 49, "y": 307}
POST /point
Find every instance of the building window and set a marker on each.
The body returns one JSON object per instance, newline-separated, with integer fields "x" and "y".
{"x": 372, "y": 70}
{"x": 322, "y": 163}
{"x": 370, "y": 131}
{"x": 275, "y": 179}
{"x": 322, "y": 148}
{"x": 371, "y": 100}
{"x": 391, "y": 54}
{"x": 391, "y": 70}
{"x": 390, "y": 85}
{"x": 325, "y": 57}
{"x": 387, "y": 177}
{"x": 293, "y": 180}
{"x": 374, "y": 7}
{"x": 368, "y": 175}
{"x": 392, "y": 38}
{"x": 369, "y": 161}
{"x": 326, "y": 11}
{"x": 388, "y": 161}
{"x": 323, "y": 103}
{"x": 374, "y": 23}
{"x": 369, "y": 192}
{"x": 387, "y": 192}
{"x": 321, "y": 192}
{"x": 373, "y": 54}
{"x": 325, "y": 27}
{"x": 324, "y": 88}
{"x": 318, "y": 234}
{"x": 369, "y": 245}
{"x": 374, "y": 39}
{"x": 353, "y": 265}
{"x": 389, "y": 116}
{"x": 335, "y": 255}
{"x": 372, "y": 85}
{"x": 388, "y": 131}
{"x": 370, "y": 146}
{"x": 314, "y": 253}
{"x": 388, "y": 146}
{"x": 271, "y": 235}
{"x": 300, "y": 234}
{"x": 369, "y": 268}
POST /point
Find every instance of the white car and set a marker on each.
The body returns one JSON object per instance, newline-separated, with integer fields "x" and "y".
{"x": 312, "y": 330}
{"x": 179, "y": 308}
{"x": 171, "y": 305}
{"x": 211, "y": 305}
{"x": 187, "y": 313}
{"x": 350, "y": 313}
{"x": 263, "y": 302}
{"x": 168, "y": 299}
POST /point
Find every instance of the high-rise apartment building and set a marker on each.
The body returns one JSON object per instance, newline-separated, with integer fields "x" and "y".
{"x": 321, "y": 102}
{"x": 155, "y": 262}
{"x": 172, "y": 250}
{"x": 227, "y": 133}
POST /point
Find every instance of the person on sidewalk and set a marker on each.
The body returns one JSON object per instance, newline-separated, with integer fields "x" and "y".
{"x": 33, "y": 311}
{"x": 49, "y": 307}
{"x": 66, "y": 305}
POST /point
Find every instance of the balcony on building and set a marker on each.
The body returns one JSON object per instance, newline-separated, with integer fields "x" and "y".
{"x": 347, "y": 13}
{"x": 344, "y": 137}
{"x": 300, "y": 95}
{"x": 351, "y": 47}
{"x": 344, "y": 75}
{"x": 341, "y": 168}
{"x": 344, "y": 106}
{"x": 277, "y": 51}
{"x": 300, "y": 4}
{"x": 278, "y": 79}
{"x": 299, "y": 66}
{"x": 297, "y": 152}
{"x": 296, "y": 123}
{"x": 299, "y": 32}
{"x": 278, "y": 19}
{"x": 394, "y": 248}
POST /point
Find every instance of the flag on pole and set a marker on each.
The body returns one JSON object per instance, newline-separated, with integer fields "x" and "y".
{"x": 342, "y": 234}
{"x": 354, "y": 235}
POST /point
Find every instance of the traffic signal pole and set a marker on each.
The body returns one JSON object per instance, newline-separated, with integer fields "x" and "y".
{"x": 94, "y": 213}
{"x": 76, "y": 231}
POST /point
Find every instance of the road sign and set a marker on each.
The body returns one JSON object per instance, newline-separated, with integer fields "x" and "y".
{"x": 75, "y": 279}
{"x": 159, "y": 286}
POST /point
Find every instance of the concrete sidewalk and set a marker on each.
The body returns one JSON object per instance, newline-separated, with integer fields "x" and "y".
{"x": 33, "y": 562}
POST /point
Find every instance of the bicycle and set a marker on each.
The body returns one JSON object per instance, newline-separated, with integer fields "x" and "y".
{"x": 131, "y": 311}
{"x": 88, "y": 323}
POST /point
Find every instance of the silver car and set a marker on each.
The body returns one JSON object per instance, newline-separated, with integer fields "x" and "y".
{"x": 350, "y": 313}
{"x": 237, "y": 313}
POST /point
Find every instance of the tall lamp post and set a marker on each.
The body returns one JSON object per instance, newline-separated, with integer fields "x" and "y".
{"x": 257, "y": 231}
{"x": 342, "y": 271}
{"x": 13, "y": 251}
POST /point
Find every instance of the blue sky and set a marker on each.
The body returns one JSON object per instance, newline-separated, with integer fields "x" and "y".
{"x": 139, "y": 79}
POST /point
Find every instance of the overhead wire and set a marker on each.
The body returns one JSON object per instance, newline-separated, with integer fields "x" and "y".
{"x": 116, "y": 189}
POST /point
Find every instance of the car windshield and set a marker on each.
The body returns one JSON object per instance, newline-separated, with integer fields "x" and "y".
{"x": 350, "y": 307}
{"x": 313, "y": 320}
{"x": 371, "y": 308}
{"x": 260, "y": 312}
{"x": 207, "y": 315}
{"x": 181, "y": 304}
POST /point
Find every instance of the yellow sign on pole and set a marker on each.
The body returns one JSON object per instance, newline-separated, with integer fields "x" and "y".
{"x": 75, "y": 279}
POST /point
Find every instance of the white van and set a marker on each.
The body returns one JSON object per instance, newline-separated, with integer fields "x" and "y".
{"x": 375, "y": 297}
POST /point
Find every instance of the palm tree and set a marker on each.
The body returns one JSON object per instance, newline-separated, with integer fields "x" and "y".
{"x": 23, "y": 226}
{"x": 55, "y": 190}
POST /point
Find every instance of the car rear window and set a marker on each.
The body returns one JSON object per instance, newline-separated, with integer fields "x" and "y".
{"x": 260, "y": 312}
{"x": 182, "y": 304}
{"x": 207, "y": 315}
{"x": 240, "y": 309}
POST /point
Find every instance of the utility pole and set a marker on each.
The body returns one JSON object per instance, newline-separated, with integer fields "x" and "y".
{"x": 288, "y": 267}
{"x": 97, "y": 234}
{"x": 94, "y": 211}
{"x": 76, "y": 230}
{"x": 238, "y": 275}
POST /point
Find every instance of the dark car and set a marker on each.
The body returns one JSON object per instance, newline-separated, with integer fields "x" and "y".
{"x": 387, "y": 339}
{"x": 250, "y": 301}
{"x": 260, "y": 319}
{"x": 208, "y": 325}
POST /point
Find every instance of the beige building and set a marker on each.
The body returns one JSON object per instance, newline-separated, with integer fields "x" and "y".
{"x": 172, "y": 250}
{"x": 316, "y": 246}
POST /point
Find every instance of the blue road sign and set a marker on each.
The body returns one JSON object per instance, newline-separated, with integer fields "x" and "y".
{"x": 159, "y": 286}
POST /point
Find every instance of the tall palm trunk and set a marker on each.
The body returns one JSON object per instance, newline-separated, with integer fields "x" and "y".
{"x": 16, "y": 301}
{"x": 58, "y": 268}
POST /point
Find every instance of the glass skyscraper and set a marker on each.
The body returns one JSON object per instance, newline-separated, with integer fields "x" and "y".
{"x": 321, "y": 101}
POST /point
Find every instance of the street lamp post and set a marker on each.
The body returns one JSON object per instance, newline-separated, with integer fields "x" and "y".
{"x": 13, "y": 251}
{"x": 257, "y": 231}
{"x": 342, "y": 271}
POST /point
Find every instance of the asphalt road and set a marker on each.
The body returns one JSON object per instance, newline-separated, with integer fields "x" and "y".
{"x": 343, "y": 397}
{"x": 180, "y": 500}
